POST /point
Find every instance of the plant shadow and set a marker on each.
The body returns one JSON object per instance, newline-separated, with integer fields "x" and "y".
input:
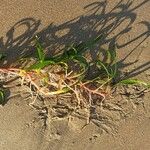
{"x": 97, "y": 21}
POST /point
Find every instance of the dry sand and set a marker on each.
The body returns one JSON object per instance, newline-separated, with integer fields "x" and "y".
{"x": 49, "y": 125}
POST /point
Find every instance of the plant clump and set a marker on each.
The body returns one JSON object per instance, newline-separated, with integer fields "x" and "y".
{"x": 69, "y": 72}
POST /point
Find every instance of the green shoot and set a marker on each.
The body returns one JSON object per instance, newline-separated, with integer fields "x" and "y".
{"x": 2, "y": 56}
{"x": 2, "y": 99}
{"x": 40, "y": 50}
{"x": 134, "y": 82}
{"x": 41, "y": 58}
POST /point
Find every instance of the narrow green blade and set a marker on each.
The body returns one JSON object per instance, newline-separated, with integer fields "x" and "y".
{"x": 40, "y": 50}
{"x": 133, "y": 82}
{"x": 101, "y": 65}
{"x": 40, "y": 65}
{"x": 82, "y": 61}
{"x": 2, "y": 99}
{"x": 2, "y": 56}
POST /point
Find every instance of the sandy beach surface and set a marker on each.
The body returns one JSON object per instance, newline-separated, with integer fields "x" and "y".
{"x": 50, "y": 124}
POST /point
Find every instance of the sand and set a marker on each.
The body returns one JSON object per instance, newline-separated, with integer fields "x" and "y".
{"x": 50, "y": 124}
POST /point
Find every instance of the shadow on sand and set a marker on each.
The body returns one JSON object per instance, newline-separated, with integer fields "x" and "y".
{"x": 96, "y": 21}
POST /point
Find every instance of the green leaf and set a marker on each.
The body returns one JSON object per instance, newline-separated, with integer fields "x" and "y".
{"x": 69, "y": 53}
{"x": 108, "y": 55}
{"x": 113, "y": 55}
{"x": 80, "y": 47}
{"x": 82, "y": 61}
{"x": 61, "y": 91}
{"x": 133, "y": 82}
{"x": 2, "y": 99}
{"x": 2, "y": 56}
{"x": 40, "y": 65}
{"x": 101, "y": 65}
{"x": 40, "y": 50}
{"x": 83, "y": 64}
